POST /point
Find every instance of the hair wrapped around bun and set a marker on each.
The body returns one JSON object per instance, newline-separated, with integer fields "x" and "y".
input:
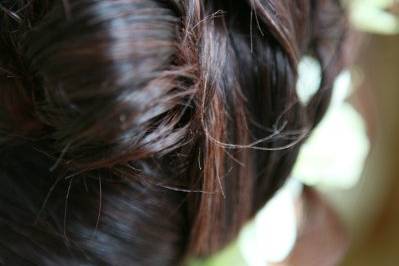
{"x": 144, "y": 132}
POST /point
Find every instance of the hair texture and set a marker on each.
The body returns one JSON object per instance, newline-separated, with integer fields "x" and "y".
{"x": 146, "y": 132}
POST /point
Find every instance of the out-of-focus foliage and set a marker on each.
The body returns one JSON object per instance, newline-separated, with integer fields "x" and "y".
{"x": 376, "y": 16}
{"x": 335, "y": 153}
{"x": 231, "y": 256}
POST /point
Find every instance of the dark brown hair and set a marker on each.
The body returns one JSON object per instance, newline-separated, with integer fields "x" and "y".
{"x": 144, "y": 132}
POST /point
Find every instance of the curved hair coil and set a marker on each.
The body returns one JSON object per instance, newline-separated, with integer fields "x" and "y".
{"x": 144, "y": 132}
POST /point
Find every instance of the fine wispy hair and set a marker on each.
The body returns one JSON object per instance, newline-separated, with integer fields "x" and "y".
{"x": 147, "y": 132}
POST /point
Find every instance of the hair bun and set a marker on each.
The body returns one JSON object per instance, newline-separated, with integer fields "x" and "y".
{"x": 108, "y": 84}
{"x": 170, "y": 123}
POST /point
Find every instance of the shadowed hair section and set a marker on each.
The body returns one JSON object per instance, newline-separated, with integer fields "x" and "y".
{"x": 147, "y": 132}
